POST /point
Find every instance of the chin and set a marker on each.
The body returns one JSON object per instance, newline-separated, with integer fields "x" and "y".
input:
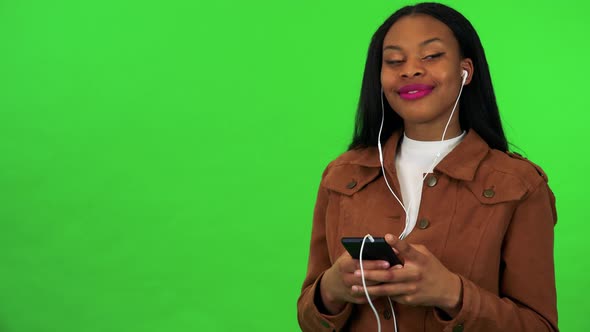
{"x": 415, "y": 111}
{"x": 418, "y": 116}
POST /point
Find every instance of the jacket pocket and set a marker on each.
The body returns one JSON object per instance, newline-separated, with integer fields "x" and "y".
{"x": 497, "y": 187}
{"x": 348, "y": 179}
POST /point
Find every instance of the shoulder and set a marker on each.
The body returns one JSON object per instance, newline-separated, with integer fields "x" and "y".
{"x": 507, "y": 177}
{"x": 367, "y": 156}
{"x": 522, "y": 179}
{"x": 514, "y": 165}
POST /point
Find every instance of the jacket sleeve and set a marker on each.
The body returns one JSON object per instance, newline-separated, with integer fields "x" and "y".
{"x": 527, "y": 300}
{"x": 308, "y": 312}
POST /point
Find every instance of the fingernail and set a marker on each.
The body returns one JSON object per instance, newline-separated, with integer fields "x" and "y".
{"x": 397, "y": 266}
{"x": 386, "y": 265}
{"x": 357, "y": 273}
{"x": 355, "y": 289}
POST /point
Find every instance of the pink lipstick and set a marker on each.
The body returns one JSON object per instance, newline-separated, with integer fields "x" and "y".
{"x": 415, "y": 91}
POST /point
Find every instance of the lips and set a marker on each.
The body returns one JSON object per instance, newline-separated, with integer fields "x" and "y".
{"x": 415, "y": 91}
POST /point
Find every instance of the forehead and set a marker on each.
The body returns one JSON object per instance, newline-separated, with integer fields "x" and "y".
{"x": 411, "y": 30}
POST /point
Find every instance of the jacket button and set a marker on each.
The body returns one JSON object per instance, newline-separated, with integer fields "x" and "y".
{"x": 423, "y": 223}
{"x": 387, "y": 314}
{"x": 458, "y": 328}
{"x": 489, "y": 193}
{"x": 351, "y": 184}
{"x": 431, "y": 181}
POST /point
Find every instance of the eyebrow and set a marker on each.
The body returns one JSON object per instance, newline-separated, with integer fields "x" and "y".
{"x": 424, "y": 43}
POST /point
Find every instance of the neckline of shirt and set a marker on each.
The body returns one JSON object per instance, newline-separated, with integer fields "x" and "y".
{"x": 411, "y": 144}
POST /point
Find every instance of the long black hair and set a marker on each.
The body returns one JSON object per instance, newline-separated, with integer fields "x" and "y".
{"x": 479, "y": 110}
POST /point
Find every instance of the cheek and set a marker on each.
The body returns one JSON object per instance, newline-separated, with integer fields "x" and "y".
{"x": 447, "y": 74}
{"x": 387, "y": 79}
{"x": 445, "y": 78}
{"x": 391, "y": 98}
{"x": 390, "y": 84}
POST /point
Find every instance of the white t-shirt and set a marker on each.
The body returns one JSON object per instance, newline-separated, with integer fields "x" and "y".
{"x": 413, "y": 160}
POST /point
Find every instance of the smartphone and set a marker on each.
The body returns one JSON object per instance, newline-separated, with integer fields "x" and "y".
{"x": 378, "y": 250}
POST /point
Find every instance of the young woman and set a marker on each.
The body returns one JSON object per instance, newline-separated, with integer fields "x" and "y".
{"x": 472, "y": 222}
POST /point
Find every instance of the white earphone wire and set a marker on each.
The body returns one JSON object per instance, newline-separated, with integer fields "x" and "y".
{"x": 464, "y": 76}
{"x": 368, "y": 236}
{"x": 406, "y": 231}
{"x": 381, "y": 155}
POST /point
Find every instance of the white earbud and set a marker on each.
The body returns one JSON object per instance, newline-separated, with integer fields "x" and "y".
{"x": 464, "y": 74}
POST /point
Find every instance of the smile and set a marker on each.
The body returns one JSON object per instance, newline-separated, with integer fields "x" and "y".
{"x": 415, "y": 91}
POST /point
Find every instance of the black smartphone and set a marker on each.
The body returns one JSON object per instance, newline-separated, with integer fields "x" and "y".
{"x": 377, "y": 250}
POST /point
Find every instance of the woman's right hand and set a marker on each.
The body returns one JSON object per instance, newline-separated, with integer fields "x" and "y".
{"x": 337, "y": 281}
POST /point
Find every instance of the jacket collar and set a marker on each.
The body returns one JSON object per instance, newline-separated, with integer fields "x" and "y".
{"x": 461, "y": 163}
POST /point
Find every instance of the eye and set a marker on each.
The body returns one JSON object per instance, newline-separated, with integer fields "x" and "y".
{"x": 433, "y": 56}
{"x": 393, "y": 62}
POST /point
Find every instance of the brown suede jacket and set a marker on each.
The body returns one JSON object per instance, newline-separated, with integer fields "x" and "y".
{"x": 488, "y": 216}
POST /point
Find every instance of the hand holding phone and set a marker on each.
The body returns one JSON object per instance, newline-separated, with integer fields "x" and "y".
{"x": 376, "y": 250}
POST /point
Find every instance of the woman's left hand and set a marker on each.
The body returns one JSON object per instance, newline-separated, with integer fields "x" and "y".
{"x": 422, "y": 281}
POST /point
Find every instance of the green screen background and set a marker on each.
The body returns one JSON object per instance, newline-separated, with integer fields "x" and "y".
{"x": 159, "y": 160}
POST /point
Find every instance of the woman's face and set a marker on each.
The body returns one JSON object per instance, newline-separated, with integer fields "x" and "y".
{"x": 421, "y": 74}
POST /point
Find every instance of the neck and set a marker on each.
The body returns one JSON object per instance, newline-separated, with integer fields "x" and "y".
{"x": 431, "y": 133}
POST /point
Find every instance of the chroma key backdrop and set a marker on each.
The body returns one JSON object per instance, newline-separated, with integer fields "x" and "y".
{"x": 159, "y": 160}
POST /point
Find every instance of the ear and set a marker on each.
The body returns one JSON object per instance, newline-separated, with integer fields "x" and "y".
{"x": 467, "y": 64}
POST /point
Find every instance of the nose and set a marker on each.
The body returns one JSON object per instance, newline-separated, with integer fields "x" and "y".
{"x": 416, "y": 73}
{"x": 412, "y": 69}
